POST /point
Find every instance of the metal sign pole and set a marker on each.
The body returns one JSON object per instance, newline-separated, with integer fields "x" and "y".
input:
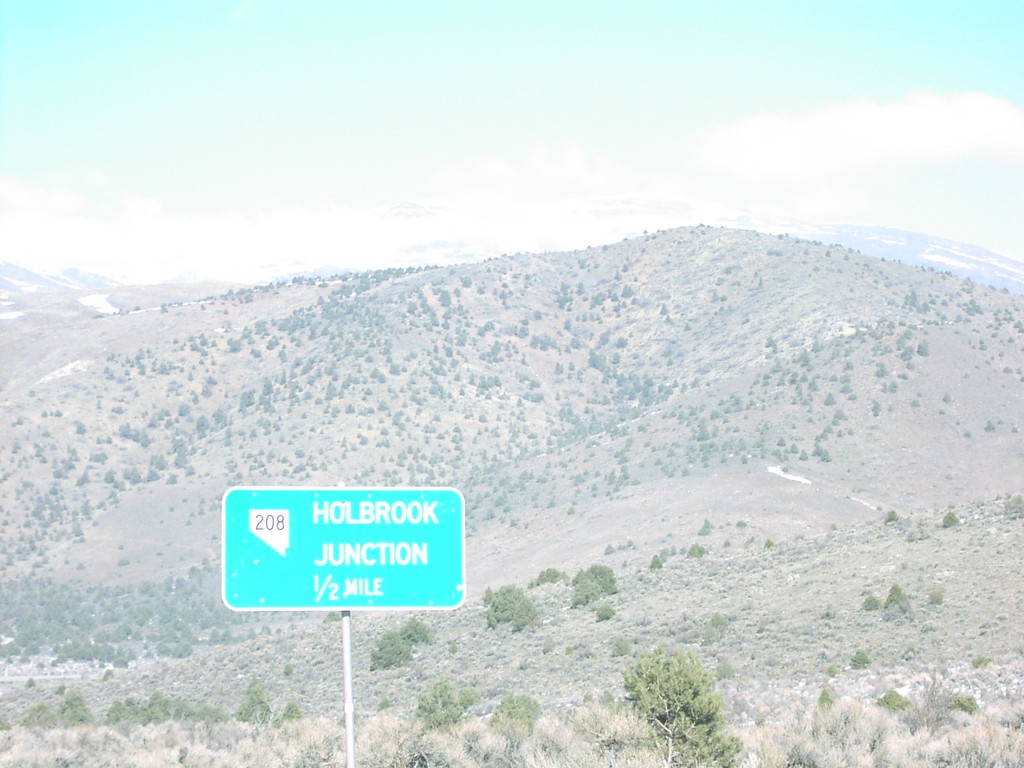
{"x": 346, "y": 662}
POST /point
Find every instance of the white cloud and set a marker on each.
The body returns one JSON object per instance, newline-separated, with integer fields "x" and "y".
{"x": 16, "y": 196}
{"x": 543, "y": 173}
{"x": 547, "y": 200}
{"x": 858, "y": 138}
{"x": 832, "y": 164}
{"x": 139, "y": 243}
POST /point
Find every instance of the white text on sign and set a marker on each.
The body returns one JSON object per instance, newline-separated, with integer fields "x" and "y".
{"x": 375, "y": 512}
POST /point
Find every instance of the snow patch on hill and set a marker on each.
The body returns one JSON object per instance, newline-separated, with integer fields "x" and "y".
{"x": 100, "y": 302}
{"x": 780, "y": 472}
{"x": 76, "y": 366}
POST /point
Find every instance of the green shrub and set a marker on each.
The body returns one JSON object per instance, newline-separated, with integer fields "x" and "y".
{"x": 656, "y": 563}
{"x": 1015, "y": 507}
{"x": 415, "y": 632}
{"x": 510, "y": 605}
{"x": 891, "y": 517}
{"x": 950, "y": 520}
{"x": 5, "y": 724}
{"x": 605, "y": 612}
{"x": 963, "y": 702}
{"x": 675, "y": 695}
{"x": 860, "y": 659}
{"x": 980, "y": 661}
{"x": 586, "y": 593}
{"x": 696, "y": 552}
{"x": 441, "y": 706}
{"x": 291, "y": 713}
{"x": 39, "y": 716}
{"x": 208, "y": 713}
{"x": 621, "y": 645}
{"x": 392, "y": 651}
{"x": 592, "y": 584}
{"x": 896, "y": 597}
{"x": 73, "y": 710}
{"x": 894, "y": 701}
{"x": 549, "y": 576}
{"x": 714, "y": 629}
{"x": 517, "y": 708}
{"x": 826, "y": 699}
{"x": 255, "y": 707}
{"x": 159, "y": 708}
{"x": 872, "y": 603}
{"x": 937, "y": 596}
{"x": 724, "y": 671}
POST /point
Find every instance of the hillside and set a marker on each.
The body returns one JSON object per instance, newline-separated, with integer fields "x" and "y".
{"x": 776, "y": 626}
{"x": 615, "y": 399}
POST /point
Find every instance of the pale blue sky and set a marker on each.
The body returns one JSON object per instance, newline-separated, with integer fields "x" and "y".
{"x": 133, "y": 134}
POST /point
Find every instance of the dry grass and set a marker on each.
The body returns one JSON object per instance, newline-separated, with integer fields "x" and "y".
{"x": 590, "y": 736}
{"x": 848, "y": 734}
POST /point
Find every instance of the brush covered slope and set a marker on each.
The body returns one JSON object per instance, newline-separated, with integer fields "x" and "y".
{"x": 602, "y": 405}
{"x": 632, "y": 382}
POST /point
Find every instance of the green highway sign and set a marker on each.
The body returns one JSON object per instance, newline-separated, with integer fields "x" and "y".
{"x": 332, "y": 549}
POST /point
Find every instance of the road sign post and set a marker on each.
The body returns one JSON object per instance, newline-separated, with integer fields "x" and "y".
{"x": 346, "y": 679}
{"x": 343, "y": 549}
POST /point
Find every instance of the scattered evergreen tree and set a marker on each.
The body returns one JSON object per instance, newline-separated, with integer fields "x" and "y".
{"x": 39, "y": 716}
{"x": 676, "y": 696}
{"x": 392, "y": 651}
{"x": 549, "y": 576}
{"x": 73, "y": 710}
{"x": 621, "y": 645}
{"x": 518, "y": 708}
{"x": 894, "y": 701}
{"x": 415, "y": 632}
{"x": 826, "y": 699}
{"x": 964, "y": 702}
{"x": 510, "y": 605}
{"x": 255, "y": 707}
{"x": 593, "y": 584}
{"x": 696, "y": 552}
{"x": 291, "y": 712}
{"x": 1015, "y": 507}
{"x": 442, "y": 706}
{"x": 896, "y": 597}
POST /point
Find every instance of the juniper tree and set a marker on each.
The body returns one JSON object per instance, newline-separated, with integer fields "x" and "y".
{"x": 676, "y": 696}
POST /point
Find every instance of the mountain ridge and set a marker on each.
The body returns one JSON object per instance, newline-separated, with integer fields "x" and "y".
{"x": 652, "y": 358}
